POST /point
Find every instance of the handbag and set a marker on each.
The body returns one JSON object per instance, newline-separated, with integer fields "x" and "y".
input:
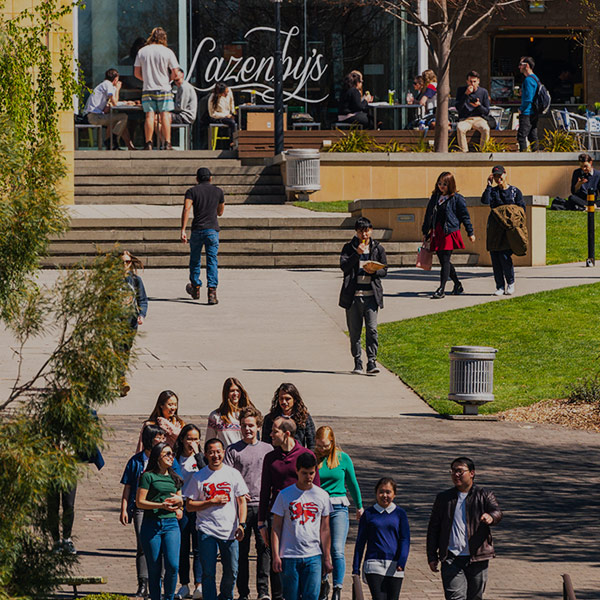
{"x": 424, "y": 256}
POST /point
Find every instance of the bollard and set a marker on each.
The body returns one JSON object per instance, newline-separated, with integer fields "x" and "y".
{"x": 568, "y": 590}
{"x": 591, "y": 227}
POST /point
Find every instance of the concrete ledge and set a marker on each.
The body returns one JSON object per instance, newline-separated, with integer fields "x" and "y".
{"x": 388, "y": 203}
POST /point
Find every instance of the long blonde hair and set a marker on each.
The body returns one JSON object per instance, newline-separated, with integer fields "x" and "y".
{"x": 429, "y": 77}
{"x": 158, "y": 36}
{"x": 333, "y": 456}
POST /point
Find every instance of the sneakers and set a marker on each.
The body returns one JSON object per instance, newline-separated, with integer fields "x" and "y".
{"x": 510, "y": 289}
{"x": 439, "y": 293}
{"x": 142, "y": 591}
{"x": 372, "y": 369}
{"x": 358, "y": 369}
{"x": 458, "y": 289}
{"x": 212, "y": 295}
{"x": 193, "y": 291}
{"x": 184, "y": 592}
{"x": 68, "y": 547}
{"x": 499, "y": 292}
{"x": 197, "y": 595}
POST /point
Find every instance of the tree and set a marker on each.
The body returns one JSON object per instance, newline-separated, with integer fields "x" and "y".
{"x": 46, "y": 419}
{"x": 449, "y": 23}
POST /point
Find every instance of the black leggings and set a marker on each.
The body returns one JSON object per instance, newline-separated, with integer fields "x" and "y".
{"x": 384, "y": 588}
{"x": 68, "y": 505}
{"x": 447, "y": 270}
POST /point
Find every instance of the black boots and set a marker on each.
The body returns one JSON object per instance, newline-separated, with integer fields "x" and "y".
{"x": 142, "y": 591}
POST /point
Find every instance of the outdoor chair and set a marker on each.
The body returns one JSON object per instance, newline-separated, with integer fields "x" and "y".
{"x": 186, "y": 131}
{"x": 213, "y": 134}
{"x": 90, "y": 134}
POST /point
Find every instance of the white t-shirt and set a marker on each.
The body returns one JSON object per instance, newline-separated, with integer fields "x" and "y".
{"x": 220, "y": 520}
{"x": 301, "y": 511}
{"x": 99, "y": 97}
{"x": 188, "y": 467}
{"x": 156, "y": 61}
{"x": 459, "y": 544}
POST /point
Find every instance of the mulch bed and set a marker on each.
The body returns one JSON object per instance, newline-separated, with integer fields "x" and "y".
{"x": 558, "y": 412}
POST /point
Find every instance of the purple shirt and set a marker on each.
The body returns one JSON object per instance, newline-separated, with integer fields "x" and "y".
{"x": 279, "y": 471}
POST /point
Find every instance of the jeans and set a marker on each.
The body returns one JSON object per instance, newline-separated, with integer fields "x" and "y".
{"x": 140, "y": 560}
{"x": 68, "y": 516}
{"x": 263, "y": 558}
{"x": 383, "y": 587}
{"x": 301, "y": 578}
{"x": 363, "y": 308}
{"x": 339, "y": 523}
{"x": 527, "y": 131}
{"x": 161, "y": 538}
{"x": 462, "y": 579}
{"x": 502, "y": 265}
{"x": 231, "y": 124}
{"x": 210, "y": 239}
{"x": 187, "y": 526}
{"x": 209, "y": 547}
{"x": 447, "y": 268}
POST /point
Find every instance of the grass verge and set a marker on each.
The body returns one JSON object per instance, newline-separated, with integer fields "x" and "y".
{"x": 545, "y": 341}
{"x": 337, "y": 206}
{"x": 566, "y": 237}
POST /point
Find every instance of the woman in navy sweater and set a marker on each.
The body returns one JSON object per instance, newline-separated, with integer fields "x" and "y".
{"x": 384, "y": 530}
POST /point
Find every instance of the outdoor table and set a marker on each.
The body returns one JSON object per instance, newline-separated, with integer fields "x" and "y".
{"x": 121, "y": 108}
{"x": 386, "y": 105}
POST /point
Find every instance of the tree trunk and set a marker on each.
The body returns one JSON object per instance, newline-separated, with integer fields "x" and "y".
{"x": 443, "y": 94}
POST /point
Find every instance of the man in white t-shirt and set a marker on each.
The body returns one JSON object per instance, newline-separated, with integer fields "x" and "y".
{"x": 97, "y": 108}
{"x": 218, "y": 494}
{"x": 300, "y": 538}
{"x": 155, "y": 65}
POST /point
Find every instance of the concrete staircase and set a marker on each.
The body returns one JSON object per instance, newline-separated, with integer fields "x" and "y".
{"x": 123, "y": 177}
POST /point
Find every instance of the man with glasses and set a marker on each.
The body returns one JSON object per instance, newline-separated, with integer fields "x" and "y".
{"x": 459, "y": 534}
{"x": 528, "y": 117}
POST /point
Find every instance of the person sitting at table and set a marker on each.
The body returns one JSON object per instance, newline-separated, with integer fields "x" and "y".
{"x": 186, "y": 100}
{"x": 97, "y": 109}
{"x": 473, "y": 105}
{"x": 353, "y": 104}
{"x": 221, "y": 108}
{"x": 415, "y": 96}
{"x": 428, "y": 99}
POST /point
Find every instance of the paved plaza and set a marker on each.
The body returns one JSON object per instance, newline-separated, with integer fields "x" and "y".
{"x": 285, "y": 325}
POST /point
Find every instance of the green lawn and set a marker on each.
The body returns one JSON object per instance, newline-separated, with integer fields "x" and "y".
{"x": 566, "y": 237}
{"x": 545, "y": 341}
{"x": 337, "y": 206}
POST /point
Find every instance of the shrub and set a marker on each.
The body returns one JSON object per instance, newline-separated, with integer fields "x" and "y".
{"x": 585, "y": 391}
{"x": 560, "y": 141}
{"x": 355, "y": 140}
{"x": 492, "y": 146}
{"x": 105, "y": 596}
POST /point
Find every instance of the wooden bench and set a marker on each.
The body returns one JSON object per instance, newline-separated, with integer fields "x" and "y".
{"x": 260, "y": 144}
{"x": 76, "y": 581}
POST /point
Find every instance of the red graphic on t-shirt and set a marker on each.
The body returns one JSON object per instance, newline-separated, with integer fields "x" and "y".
{"x": 219, "y": 489}
{"x": 305, "y": 512}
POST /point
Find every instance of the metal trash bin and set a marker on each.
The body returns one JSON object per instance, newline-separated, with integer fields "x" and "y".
{"x": 303, "y": 173}
{"x": 471, "y": 376}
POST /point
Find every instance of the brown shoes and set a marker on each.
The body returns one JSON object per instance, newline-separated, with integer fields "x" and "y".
{"x": 212, "y": 295}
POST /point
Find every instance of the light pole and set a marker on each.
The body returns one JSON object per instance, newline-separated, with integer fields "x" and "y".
{"x": 278, "y": 91}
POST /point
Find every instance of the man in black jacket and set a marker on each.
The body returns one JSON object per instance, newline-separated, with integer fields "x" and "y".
{"x": 459, "y": 534}
{"x": 362, "y": 293}
{"x": 473, "y": 105}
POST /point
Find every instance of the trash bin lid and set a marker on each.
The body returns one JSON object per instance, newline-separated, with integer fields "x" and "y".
{"x": 473, "y": 349}
{"x": 303, "y": 153}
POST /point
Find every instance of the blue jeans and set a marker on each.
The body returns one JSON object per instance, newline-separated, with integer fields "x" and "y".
{"x": 301, "y": 577}
{"x": 161, "y": 538}
{"x": 338, "y": 525}
{"x": 210, "y": 239}
{"x": 187, "y": 525}
{"x": 209, "y": 547}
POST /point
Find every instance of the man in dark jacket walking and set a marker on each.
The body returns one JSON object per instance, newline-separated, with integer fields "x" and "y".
{"x": 459, "y": 534}
{"x": 362, "y": 293}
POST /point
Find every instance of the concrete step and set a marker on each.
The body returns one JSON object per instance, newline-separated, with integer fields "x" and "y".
{"x": 108, "y": 168}
{"x": 143, "y": 248}
{"x": 226, "y": 234}
{"x": 253, "y": 261}
{"x": 170, "y": 200}
{"x": 234, "y": 178}
{"x": 173, "y": 190}
{"x": 123, "y": 155}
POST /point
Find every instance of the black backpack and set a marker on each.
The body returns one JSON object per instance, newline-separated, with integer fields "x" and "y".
{"x": 542, "y": 99}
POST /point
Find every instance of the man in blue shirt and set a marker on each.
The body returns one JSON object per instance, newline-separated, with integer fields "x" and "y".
{"x": 528, "y": 117}
{"x": 473, "y": 105}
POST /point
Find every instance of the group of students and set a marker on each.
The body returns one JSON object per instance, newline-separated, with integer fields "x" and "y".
{"x": 275, "y": 479}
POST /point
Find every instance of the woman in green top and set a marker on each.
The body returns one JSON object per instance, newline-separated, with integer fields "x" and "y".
{"x": 337, "y": 475}
{"x": 159, "y": 496}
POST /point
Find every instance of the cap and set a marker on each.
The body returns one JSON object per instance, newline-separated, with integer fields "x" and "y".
{"x": 203, "y": 174}
{"x": 498, "y": 170}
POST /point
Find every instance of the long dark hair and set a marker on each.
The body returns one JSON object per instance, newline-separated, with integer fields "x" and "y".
{"x": 217, "y": 92}
{"x": 299, "y": 410}
{"x": 163, "y": 398}
{"x": 352, "y": 80}
{"x": 153, "y": 467}
{"x": 225, "y": 408}
{"x": 181, "y": 437}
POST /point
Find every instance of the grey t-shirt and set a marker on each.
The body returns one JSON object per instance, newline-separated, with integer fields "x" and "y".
{"x": 186, "y": 102}
{"x": 248, "y": 460}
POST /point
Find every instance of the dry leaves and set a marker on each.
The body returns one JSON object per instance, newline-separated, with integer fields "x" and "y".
{"x": 558, "y": 412}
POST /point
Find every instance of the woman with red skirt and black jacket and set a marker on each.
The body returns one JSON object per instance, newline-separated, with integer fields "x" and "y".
{"x": 446, "y": 211}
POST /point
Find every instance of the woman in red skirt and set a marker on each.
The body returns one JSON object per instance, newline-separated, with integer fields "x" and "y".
{"x": 445, "y": 212}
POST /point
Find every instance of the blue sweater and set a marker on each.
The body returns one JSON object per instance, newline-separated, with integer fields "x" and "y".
{"x": 386, "y": 536}
{"x": 530, "y": 86}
